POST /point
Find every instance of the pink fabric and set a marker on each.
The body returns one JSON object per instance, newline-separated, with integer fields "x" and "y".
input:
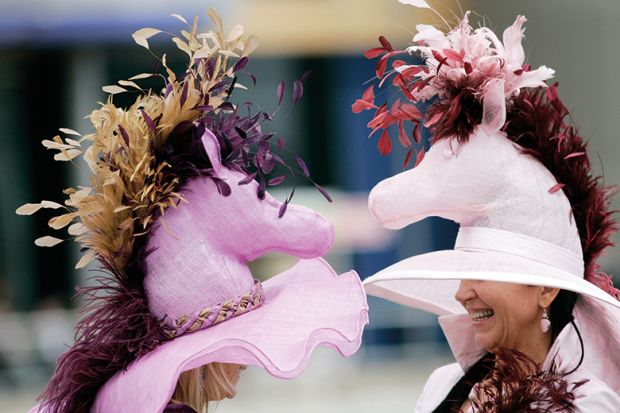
{"x": 199, "y": 257}
{"x": 202, "y": 247}
{"x": 305, "y": 306}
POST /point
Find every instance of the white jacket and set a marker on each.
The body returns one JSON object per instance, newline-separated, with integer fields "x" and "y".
{"x": 595, "y": 395}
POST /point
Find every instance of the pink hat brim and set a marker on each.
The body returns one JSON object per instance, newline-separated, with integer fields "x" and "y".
{"x": 429, "y": 282}
{"x": 307, "y": 305}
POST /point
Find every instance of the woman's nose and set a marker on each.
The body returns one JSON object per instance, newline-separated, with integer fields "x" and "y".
{"x": 465, "y": 292}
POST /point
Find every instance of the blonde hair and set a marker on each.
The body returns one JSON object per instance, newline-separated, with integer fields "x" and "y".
{"x": 199, "y": 386}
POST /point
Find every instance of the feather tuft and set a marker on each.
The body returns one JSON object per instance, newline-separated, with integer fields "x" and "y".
{"x": 516, "y": 384}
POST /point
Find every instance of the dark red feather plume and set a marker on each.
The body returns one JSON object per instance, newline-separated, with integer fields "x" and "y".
{"x": 536, "y": 121}
{"x": 516, "y": 384}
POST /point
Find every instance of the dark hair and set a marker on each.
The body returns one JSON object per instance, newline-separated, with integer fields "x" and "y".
{"x": 561, "y": 311}
{"x": 560, "y": 314}
{"x": 460, "y": 392}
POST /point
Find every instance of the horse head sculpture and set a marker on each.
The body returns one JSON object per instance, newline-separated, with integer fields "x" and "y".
{"x": 215, "y": 236}
{"x": 483, "y": 182}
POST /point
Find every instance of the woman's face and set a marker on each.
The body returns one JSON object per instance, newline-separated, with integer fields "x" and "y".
{"x": 504, "y": 315}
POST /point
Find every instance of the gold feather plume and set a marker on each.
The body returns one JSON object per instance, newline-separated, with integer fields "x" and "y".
{"x": 126, "y": 186}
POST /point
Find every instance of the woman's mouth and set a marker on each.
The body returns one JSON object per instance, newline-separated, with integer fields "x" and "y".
{"x": 481, "y": 315}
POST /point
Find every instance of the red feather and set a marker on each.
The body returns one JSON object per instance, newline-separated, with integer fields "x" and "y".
{"x": 516, "y": 384}
{"x": 407, "y": 158}
{"x": 453, "y": 55}
{"x": 384, "y": 144}
{"x": 416, "y": 133}
{"x": 556, "y": 188}
{"x": 375, "y": 52}
{"x": 381, "y": 66}
{"x": 536, "y": 122}
{"x": 385, "y": 43}
{"x": 402, "y": 135}
{"x": 419, "y": 158}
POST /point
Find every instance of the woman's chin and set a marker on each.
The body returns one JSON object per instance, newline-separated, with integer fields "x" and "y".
{"x": 485, "y": 340}
{"x": 231, "y": 394}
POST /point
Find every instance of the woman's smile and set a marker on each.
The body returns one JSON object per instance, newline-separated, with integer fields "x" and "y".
{"x": 481, "y": 317}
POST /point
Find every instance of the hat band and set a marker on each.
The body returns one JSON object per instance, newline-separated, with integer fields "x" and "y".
{"x": 506, "y": 242}
{"x": 217, "y": 313}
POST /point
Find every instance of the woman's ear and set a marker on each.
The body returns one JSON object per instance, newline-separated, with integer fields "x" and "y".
{"x": 547, "y": 295}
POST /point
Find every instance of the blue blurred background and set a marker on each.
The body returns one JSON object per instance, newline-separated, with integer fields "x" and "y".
{"x": 55, "y": 55}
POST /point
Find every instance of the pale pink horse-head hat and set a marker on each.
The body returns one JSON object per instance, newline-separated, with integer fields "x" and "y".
{"x": 505, "y": 166}
{"x": 199, "y": 283}
{"x": 176, "y": 210}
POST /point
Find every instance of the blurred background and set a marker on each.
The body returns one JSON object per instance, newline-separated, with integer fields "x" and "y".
{"x": 55, "y": 55}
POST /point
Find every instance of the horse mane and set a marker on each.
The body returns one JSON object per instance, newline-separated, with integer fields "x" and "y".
{"x": 537, "y": 121}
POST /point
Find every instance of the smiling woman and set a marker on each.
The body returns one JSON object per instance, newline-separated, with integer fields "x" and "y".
{"x": 532, "y": 321}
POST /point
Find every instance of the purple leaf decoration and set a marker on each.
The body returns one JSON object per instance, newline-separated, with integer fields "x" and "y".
{"x": 298, "y": 91}
{"x": 241, "y": 132}
{"x": 227, "y": 106}
{"x": 147, "y": 119}
{"x": 184, "y": 94}
{"x": 302, "y": 165}
{"x": 204, "y": 108}
{"x": 247, "y": 179}
{"x": 124, "y": 134}
{"x": 168, "y": 90}
{"x": 280, "y": 91}
{"x": 323, "y": 192}
{"x": 265, "y": 162}
{"x": 305, "y": 76}
{"x": 260, "y": 192}
{"x": 253, "y": 78}
{"x": 222, "y": 187}
{"x": 210, "y": 67}
{"x": 282, "y": 210}
{"x": 407, "y": 158}
{"x": 241, "y": 63}
{"x": 281, "y": 143}
{"x": 277, "y": 180}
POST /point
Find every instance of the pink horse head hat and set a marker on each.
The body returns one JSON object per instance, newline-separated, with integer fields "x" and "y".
{"x": 176, "y": 209}
{"x": 199, "y": 284}
{"x": 200, "y": 252}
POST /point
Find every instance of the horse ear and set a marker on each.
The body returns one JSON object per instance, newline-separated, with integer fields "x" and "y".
{"x": 212, "y": 147}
